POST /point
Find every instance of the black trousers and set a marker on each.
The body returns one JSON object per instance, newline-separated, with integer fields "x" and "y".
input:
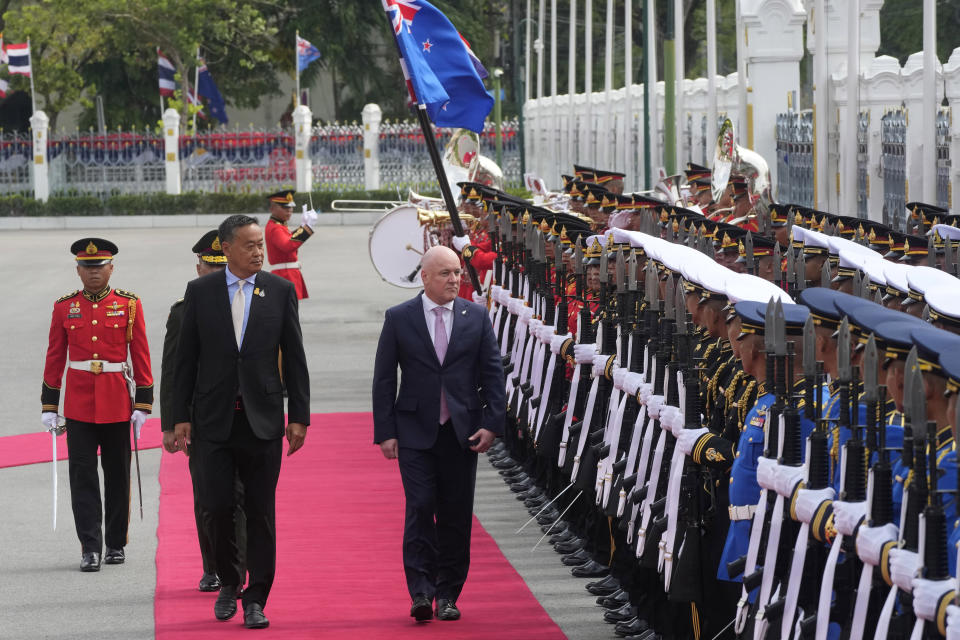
{"x": 257, "y": 464}
{"x": 205, "y": 524}
{"x": 113, "y": 441}
{"x": 438, "y": 484}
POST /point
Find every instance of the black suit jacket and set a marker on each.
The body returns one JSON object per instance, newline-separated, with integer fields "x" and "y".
{"x": 212, "y": 371}
{"x": 471, "y": 375}
{"x": 168, "y": 365}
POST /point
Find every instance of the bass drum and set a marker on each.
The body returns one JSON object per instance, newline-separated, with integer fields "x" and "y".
{"x": 396, "y": 244}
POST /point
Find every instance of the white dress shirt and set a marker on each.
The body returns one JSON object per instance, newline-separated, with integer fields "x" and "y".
{"x": 431, "y": 318}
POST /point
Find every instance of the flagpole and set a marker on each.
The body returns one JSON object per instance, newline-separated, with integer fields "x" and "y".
{"x": 296, "y": 69}
{"x": 196, "y": 83}
{"x": 33, "y": 93}
{"x": 430, "y": 140}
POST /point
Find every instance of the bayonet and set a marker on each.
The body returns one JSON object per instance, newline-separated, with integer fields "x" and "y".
{"x": 791, "y": 271}
{"x": 618, "y": 272}
{"x": 604, "y": 278}
{"x": 825, "y": 276}
{"x": 918, "y": 399}
{"x": 769, "y": 329}
{"x": 668, "y": 299}
{"x": 777, "y": 265}
{"x": 680, "y": 308}
{"x": 843, "y": 351}
{"x": 801, "y": 266}
{"x": 578, "y": 257}
{"x": 810, "y": 367}
{"x": 632, "y": 271}
{"x": 869, "y": 368}
{"x": 748, "y": 252}
{"x": 931, "y": 252}
{"x": 857, "y": 283}
{"x": 780, "y": 328}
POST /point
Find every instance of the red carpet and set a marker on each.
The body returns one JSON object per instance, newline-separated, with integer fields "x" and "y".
{"x": 339, "y": 568}
{"x": 31, "y": 448}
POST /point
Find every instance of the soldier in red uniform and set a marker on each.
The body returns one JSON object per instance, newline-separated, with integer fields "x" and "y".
{"x": 93, "y": 331}
{"x": 475, "y": 246}
{"x": 283, "y": 244}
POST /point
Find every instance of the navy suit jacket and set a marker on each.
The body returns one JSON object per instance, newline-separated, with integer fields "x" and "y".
{"x": 471, "y": 375}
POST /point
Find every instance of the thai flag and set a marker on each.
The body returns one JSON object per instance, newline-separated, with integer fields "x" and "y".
{"x": 438, "y": 65}
{"x": 166, "y": 72}
{"x": 4, "y": 87}
{"x": 18, "y": 56}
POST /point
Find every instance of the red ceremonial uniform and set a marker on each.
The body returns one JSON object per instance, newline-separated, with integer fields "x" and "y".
{"x": 282, "y": 247}
{"x": 91, "y": 335}
{"x": 481, "y": 256}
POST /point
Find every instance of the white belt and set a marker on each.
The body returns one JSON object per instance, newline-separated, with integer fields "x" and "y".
{"x": 285, "y": 265}
{"x": 96, "y": 366}
{"x": 741, "y": 512}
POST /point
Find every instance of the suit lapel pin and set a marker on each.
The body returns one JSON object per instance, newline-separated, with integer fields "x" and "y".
{"x": 464, "y": 312}
{"x": 257, "y": 291}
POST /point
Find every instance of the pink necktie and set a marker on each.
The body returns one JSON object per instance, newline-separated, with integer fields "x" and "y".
{"x": 440, "y": 344}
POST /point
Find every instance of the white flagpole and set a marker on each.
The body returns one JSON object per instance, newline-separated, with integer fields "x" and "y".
{"x": 930, "y": 108}
{"x": 711, "y": 79}
{"x": 33, "y": 93}
{"x": 607, "y": 88}
{"x": 682, "y": 155}
{"x": 629, "y": 151}
{"x": 571, "y": 83}
{"x": 296, "y": 67}
{"x": 586, "y": 140}
{"x": 196, "y": 82}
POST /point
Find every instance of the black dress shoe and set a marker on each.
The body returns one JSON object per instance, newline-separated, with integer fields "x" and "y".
{"x": 114, "y": 556}
{"x": 209, "y": 582}
{"x": 576, "y": 558}
{"x": 421, "y": 610}
{"x": 447, "y": 610}
{"x": 568, "y": 547}
{"x": 564, "y": 536}
{"x": 624, "y": 613}
{"x": 631, "y": 627}
{"x": 615, "y": 600}
{"x": 590, "y": 569}
{"x": 226, "y": 605}
{"x": 604, "y": 586}
{"x": 536, "y": 503}
{"x": 504, "y": 463}
{"x": 521, "y": 486}
{"x": 253, "y": 617}
{"x": 548, "y": 516}
{"x": 90, "y": 561}
{"x": 557, "y": 527}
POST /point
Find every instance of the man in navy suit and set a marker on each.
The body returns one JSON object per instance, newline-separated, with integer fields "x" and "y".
{"x": 450, "y": 407}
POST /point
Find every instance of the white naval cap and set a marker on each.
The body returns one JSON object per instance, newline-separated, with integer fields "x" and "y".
{"x": 746, "y": 286}
{"x": 875, "y": 270}
{"x": 706, "y": 273}
{"x": 945, "y": 231}
{"x": 944, "y": 304}
{"x": 923, "y": 280}
{"x": 815, "y": 242}
{"x": 895, "y": 274}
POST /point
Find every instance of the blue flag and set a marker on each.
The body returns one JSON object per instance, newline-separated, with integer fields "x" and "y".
{"x": 207, "y": 89}
{"x": 306, "y": 53}
{"x": 441, "y": 71}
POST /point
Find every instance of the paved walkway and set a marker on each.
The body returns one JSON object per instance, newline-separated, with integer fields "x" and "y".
{"x": 44, "y": 594}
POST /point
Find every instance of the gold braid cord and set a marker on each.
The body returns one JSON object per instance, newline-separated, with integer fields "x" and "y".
{"x": 131, "y": 317}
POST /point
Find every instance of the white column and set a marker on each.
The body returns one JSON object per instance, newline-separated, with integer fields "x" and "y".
{"x": 553, "y": 172}
{"x": 40, "y": 127}
{"x": 929, "y": 162}
{"x": 711, "y": 78}
{"x": 303, "y": 127}
{"x": 571, "y": 86}
{"x": 821, "y": 103}
{"x": 527, "y": 68}
{"x": 372, "y": 117}
{"x": 848, "y": 194}
{"x": 776, "y": 47}
{"x": 913, "y": 98}
{"x": 607, "y": 91}
{"x": 951, "y": 82}
{"x": 587, "y": 149}
{"x": 629, "y": 150}
{"x": 171, "y": 147}
{"x": 741, "y": 120}
{"x": 881, "y": 88}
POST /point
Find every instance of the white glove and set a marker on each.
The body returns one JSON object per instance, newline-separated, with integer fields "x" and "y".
{"x": 688, "y": 438}
{"x": 808, "y": 500}
{"x": 787, "y": 479}
{"x": 619, "y": 373}
{"x": 847, "y": 515}
{"x": 953, "y": 622}
{"x": 927, "y": 595}
{"x": 583, "y": 353}
{"x": 654, "y": 405}
{"x": 514, "y": 306}
{"x": 534, "y": 324}
{"x": 599, "y": 364}
{"x": 308, "y": 217}
{"x": 903, "y": 568}
{"x": 644, "y": 391}
{"x": 525, "y": 312}
{"x": 767, "y": 473}
{"x": 49, "y": 420}
{"x": 870, "y": 541}
{"x": 495, "y": 290}
{"x": 671, "y": 419}
{"x": 459, "y": 242}
{"x": 137, "y": 420}
{"x": 632, "y": 382}
{"x": 479, "y": 298}
{"x": 556, "y": 342}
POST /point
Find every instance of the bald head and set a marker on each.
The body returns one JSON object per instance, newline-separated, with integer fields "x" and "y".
{"x": 440, "y": 271}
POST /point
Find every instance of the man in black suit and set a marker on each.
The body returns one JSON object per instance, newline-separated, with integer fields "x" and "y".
{"x": 210, "y": 259}
{"x": 450, "y": 407}
{"x": 228, "y": 403}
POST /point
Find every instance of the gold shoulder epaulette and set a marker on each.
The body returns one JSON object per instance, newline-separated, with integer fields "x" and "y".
{"x": 125, "y": 293}
{"x": 68, "y": 296}
{"x": 177, "y": 303}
